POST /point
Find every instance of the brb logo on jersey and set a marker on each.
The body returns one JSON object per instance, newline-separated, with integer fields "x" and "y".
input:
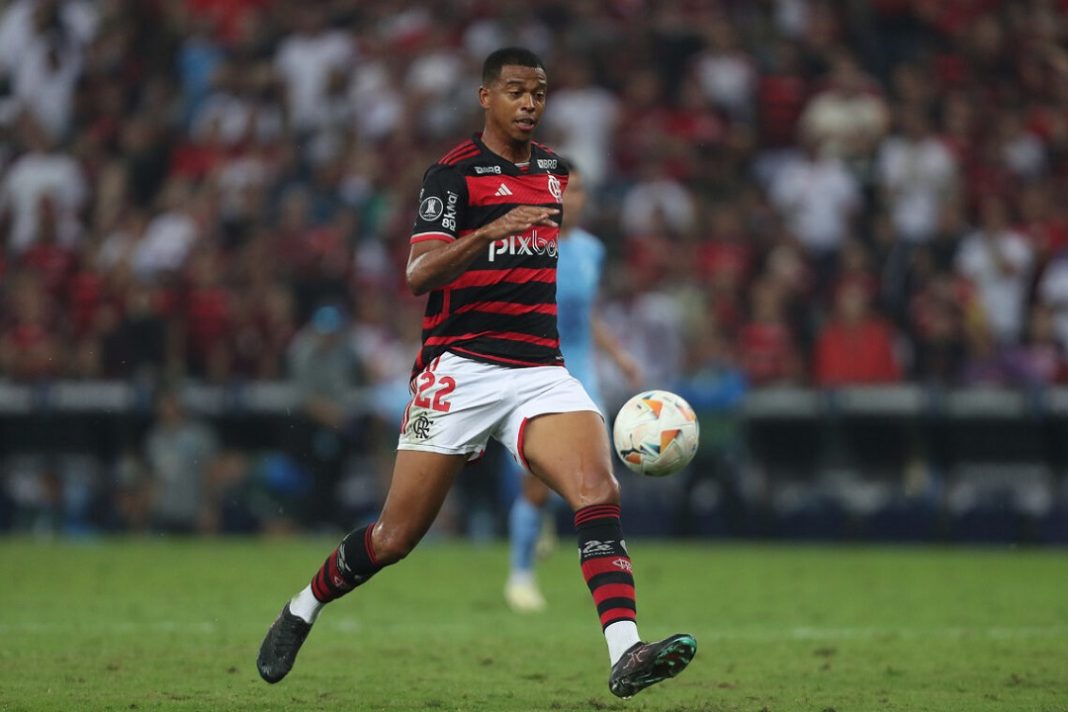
{"x": 533, "y": 244}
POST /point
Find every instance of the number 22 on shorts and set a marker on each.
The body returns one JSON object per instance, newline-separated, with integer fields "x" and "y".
{"x": 425, "y": 383}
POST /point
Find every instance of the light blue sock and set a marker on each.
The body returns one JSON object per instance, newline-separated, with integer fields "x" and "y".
{"x": 524, "y": 525}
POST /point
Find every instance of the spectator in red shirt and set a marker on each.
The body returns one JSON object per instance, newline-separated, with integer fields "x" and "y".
{"x": 30, "y": 348}
{"x": 263, "y": 329}
{"x": 1043, "y": 219}
{"x": 767, "y": 348}
{"x": 781, "y": 95}
{"x": 227, "y": 16}
{"x": 208, "y": 313}
{"x": 856, "y": 347}
{"x": 47, "y": 258}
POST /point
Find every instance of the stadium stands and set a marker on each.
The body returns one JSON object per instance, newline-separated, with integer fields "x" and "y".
{"x": 780, "y": 185}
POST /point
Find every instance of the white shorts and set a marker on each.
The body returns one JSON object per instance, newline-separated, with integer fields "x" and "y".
{"x": 458, "y": 405}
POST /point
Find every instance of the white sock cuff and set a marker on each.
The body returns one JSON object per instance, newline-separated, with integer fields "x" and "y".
{"x": 620, "y": 636}
{"x": 306, "y": 605}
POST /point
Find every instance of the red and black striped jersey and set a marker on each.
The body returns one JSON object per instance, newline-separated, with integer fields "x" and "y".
{"x": 502, "y": 309}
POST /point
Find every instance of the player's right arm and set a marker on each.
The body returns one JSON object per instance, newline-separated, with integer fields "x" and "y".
{"x": 439, "y": 254}
{"x": 435, "y": 263}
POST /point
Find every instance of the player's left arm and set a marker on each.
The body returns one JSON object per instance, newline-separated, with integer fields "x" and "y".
{"x": 606, "y": 341}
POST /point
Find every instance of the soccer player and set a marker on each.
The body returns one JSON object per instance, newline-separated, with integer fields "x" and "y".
{"x": 484, "y": 248}
{"x": 580, "y": 260}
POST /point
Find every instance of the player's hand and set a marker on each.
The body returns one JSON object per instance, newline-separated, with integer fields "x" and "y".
{"x": 518, "y": 220}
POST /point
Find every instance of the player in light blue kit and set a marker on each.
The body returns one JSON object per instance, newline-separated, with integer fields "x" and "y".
{"x": 582, "y": 336}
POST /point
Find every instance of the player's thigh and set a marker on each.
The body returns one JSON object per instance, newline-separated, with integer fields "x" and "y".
{"x": 421, "y": 481}
{"x": 569, "y": 451}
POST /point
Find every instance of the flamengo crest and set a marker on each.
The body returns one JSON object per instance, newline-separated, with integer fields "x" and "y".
{"x": 554, "y": 187}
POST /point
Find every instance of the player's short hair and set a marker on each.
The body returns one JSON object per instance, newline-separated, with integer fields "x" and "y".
{"x": 516, "y": 56}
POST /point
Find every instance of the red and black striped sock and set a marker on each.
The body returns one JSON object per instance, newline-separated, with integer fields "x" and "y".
{"x": 605, "y": 563}
{"x": 348, "y": 566}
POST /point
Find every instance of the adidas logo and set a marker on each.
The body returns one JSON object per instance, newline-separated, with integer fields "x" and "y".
{"x": 503, "y": 190}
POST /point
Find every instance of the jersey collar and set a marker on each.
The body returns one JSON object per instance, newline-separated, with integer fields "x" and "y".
{"x": 507, "y": 167}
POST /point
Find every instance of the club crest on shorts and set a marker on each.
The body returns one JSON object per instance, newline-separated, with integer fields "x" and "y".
{"x": 420, "y": 426}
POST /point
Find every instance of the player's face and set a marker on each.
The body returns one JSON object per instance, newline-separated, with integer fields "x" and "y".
{"x": 574, "y": 200}
{"x": 515, "y": 101}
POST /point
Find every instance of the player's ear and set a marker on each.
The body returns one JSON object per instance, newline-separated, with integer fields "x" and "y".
{"x": 483, "y": 97}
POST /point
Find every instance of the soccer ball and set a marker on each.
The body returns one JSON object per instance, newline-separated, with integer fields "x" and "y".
{"x": 656, "y": 433}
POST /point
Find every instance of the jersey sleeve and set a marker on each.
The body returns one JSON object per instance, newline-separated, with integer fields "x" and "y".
{"x": 441, "y": 201}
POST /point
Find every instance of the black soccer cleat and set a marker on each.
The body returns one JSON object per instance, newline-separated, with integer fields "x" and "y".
{"x": 646, "y": 664}
{"x": 279, "y": 649}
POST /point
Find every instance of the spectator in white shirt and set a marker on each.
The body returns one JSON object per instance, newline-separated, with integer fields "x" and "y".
{"x": 999, "y": 262}
{"x": 44, "y": 81}
{"x": 849, "y": 117}
{"x": 42, "y": 172}
{"x": 916, "y": 174}
{"x": 658, "y": 202}
{"x": 1053, "y": 293}
{"x": 434, "y": 82}
{"x": 26, "y": 22}
{"x": 727, "y": 74}
{"x": 307, "y": 59}
{"x": 1022, "y": 151}
{"x": 817, "y": 198}
{"x": 171, "y": 235}
{"x": 582, "y": 117}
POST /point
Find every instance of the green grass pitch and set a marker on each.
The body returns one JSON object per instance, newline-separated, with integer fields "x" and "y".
{"x": 138, "y": 624}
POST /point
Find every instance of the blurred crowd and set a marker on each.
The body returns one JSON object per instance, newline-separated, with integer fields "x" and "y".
{"x": 794, "y": 190}
{"x": 791, "y": 191}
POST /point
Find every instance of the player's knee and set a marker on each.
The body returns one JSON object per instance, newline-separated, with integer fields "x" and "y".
{"x": 392, "y": 545}
{"x": 597, "y": 489}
